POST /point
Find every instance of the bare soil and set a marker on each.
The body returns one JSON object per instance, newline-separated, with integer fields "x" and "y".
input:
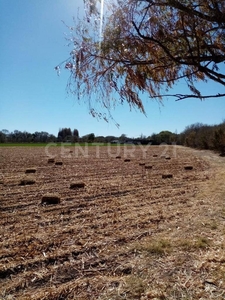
{"x": 127, "y": 233}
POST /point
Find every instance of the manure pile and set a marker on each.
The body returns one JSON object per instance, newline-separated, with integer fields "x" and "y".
{"x": 88, "y": 238}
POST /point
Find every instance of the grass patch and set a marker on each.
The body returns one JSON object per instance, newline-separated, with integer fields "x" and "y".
{"x": 132, "y": 287}
{"x": 135, "y": 287}
{"x": 158, "y": 248}
{"x": 192, "y": 245}
{"x": 202, "y": 243}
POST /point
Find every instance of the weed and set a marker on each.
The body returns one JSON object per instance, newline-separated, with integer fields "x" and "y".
{"x": 213, "y": 225}
{"x": 201, "y": 243}
{"x": 155, "y": 247}
{"x": 135, "y": 287}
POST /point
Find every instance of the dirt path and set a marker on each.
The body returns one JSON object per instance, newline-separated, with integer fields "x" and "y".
{"x": 214, "y": 189}
{"x": 204, "y": 223}
{"x": 210, "y": 156}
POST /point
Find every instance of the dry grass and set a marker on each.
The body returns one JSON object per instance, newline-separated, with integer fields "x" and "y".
{"x": 127, "y": 235}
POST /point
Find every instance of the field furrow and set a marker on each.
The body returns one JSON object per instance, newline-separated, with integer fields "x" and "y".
{"x": 94, "y": 242}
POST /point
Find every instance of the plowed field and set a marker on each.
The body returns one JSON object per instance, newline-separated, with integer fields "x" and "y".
{"x": 129, "y": 233}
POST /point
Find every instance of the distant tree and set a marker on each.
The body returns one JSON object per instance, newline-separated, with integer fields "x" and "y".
{"x": 110, "y": 138}
{"x": 91, "y": 138}
{"x": 5, "y": 131}
{"x": 166, "y": 137}
{"x": 153, "y": 139}
{"x": 75, "y": 135}
{"x": 204, "y": 137}
{"x": 163, "y": 137}
{"x": 219, "y": 140}
{"x": 43, "y": 136}
{"x": 36, "y": 137}
{"x": 100, "y": 139}
{"x": 142, "y": 136}
{"x": 60, "y": 135}
{"x": 190, "y": 139}
{"x": 146, "y": 46}
{"x": 2, "y": 137}
{"x": 123, "y": 138}
{"x": 88, "y": 138}
{"x": 64, "y": 135}
{"x": 26, "y": 137}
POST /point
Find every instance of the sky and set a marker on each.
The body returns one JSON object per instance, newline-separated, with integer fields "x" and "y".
{"x": 33, "y": 98}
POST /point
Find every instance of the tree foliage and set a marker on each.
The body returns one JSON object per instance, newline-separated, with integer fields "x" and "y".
{"x": 66, "y": 134}
{"x": 146, "y": 46}
{"x": 164, "y": 136}
{"x": 18, "y": 136}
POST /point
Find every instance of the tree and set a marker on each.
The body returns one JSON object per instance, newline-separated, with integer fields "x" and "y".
{"x": 91, "y": 138}
{"x": 146, "y": 46}
{"x": 88, "y": 138}
{"x": 75, "y": 136}
{"x": 2, "y": 137}
{"x": 163, "y": 137}
{"x": 76, "y": 133}
{"x": 64, "y": 134}
{"x": 219, "y": 140}
{"x": 123, "y": 138}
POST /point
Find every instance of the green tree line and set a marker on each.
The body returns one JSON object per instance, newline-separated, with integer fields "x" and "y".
{"x": 198, "y": 135}
{"x": 17, "y": 136}
{"x": 202, "y": 136}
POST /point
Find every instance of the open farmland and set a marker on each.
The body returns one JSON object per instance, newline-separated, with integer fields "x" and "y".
{"x": 141, "y": 227}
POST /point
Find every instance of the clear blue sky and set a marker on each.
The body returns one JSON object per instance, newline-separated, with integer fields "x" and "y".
{"x": 34, "y": 98}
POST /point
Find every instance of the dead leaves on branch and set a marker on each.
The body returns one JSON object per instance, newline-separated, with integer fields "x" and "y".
{"x": 146, "y": 47}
